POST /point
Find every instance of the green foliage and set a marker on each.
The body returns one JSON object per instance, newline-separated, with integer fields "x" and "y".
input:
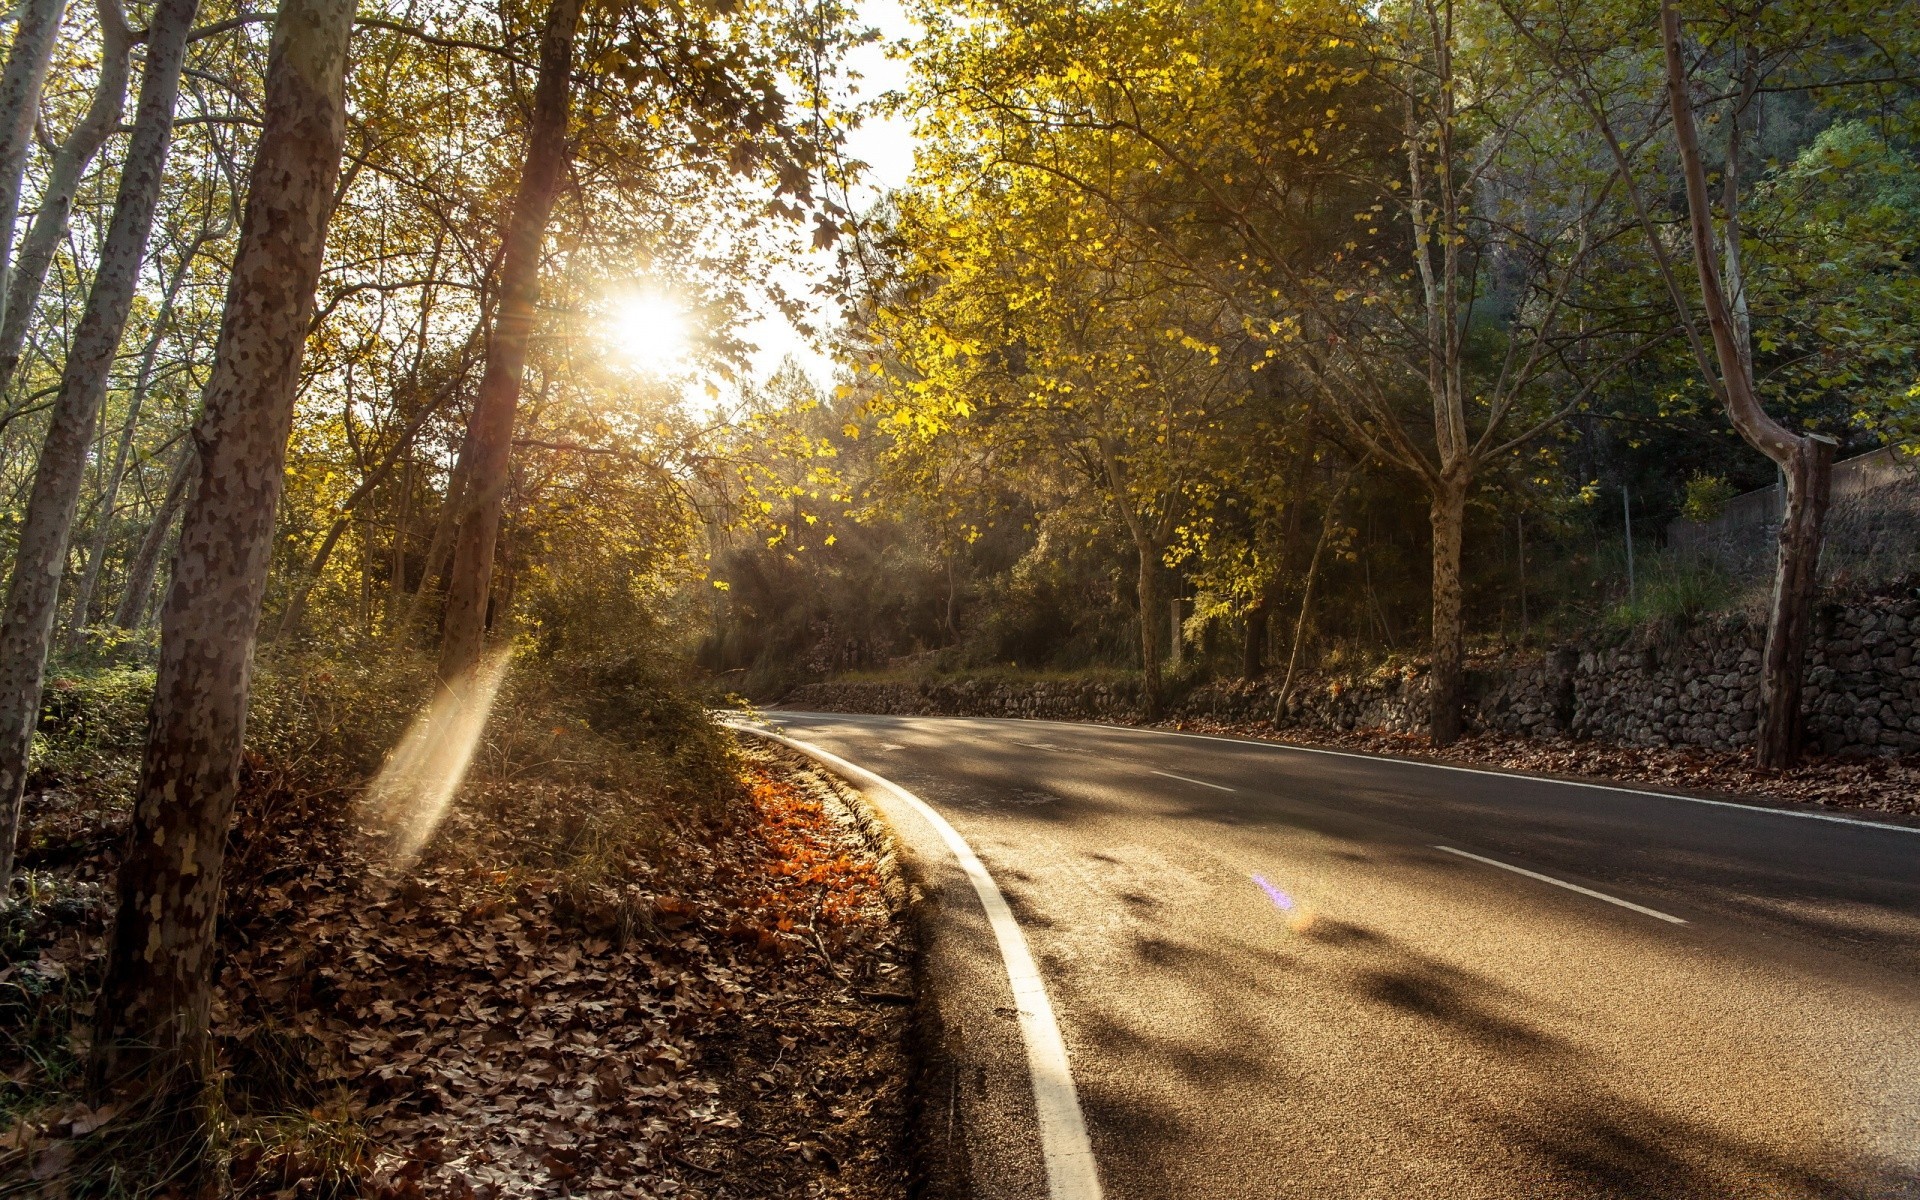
{"x": 93, "y": 724}
{"x": 1705, "y": 497}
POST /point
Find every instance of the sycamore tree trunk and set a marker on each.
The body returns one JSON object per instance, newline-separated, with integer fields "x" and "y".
{"x": 1447, "y": 515}
{"x": 1809, "y": 479}
{"x": 490, "y": 431}
{"x": 132, "y": 608}
{"x": 1253, "y": 650}
{"x": 152, "y": 1042}
{"x": 20, "y": 86}
{"x": 69, "y": 166}
{"x": 1806, "y": 462}
{"x": 1152, "y": 699}
{"x": 33, "y": 592}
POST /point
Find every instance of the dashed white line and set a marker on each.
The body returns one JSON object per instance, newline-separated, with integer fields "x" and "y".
{"x": 1218, "y": 787}
{"x": 1572, "y": 887}
{"x": 1071, "y": 1172}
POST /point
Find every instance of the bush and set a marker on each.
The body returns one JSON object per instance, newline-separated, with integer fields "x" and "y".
{"x": 1705, "y": 497}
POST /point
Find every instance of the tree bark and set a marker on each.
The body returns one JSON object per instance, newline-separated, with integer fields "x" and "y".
{"x": 64, "y": 173}
{"x": 490, "y": 432}
{"x": 33, "y": 592}
{"x": 1805, "y": 461}
{"x": 1447, "y": 514}
{"x": 1151, "y": 698}
{"x": 1253, "y": 649}
{"x": 146, "y": 561}
{"x": 152, "y": 1043}
{"x": 1795, "y": 581}
{"x": 20, "y": 86}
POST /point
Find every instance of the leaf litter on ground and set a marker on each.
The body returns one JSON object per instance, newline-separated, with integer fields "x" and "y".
{"x": 1883, "y": 785}
{"x": 710, "y": 1010}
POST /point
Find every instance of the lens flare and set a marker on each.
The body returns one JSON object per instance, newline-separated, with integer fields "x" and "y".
{"x": 410, "y": 796}
{"x": 1299, "y": 918}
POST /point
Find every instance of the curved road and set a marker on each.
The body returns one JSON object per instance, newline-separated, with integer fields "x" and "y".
{"x": 1290, "y": 973}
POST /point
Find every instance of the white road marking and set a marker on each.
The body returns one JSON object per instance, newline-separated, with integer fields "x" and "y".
{"x": 1071, "y": 1172}
{"x": 891, "y": 746}
{"x": 1183, "y": 779}
{"x": 1572, "y": 887}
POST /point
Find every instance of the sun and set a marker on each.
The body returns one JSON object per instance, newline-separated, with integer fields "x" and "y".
{"x": 647, "y": 330}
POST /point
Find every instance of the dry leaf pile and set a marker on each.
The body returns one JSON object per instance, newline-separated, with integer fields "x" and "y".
{"x": 1882, "y": 785}
{"x": 714, "y": 1008}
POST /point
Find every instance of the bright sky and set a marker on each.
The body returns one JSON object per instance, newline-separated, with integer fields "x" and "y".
{"x": 886, "y": 145}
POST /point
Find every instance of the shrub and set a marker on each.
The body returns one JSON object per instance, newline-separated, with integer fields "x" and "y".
{"x": 1705, "y": 497}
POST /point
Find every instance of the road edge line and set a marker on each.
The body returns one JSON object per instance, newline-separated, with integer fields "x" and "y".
{"x": 1833, "y": 818}
{"x": 1065, "y": 1148}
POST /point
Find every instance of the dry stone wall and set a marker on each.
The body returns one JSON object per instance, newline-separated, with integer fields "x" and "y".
{"x": 1696, "y": 688}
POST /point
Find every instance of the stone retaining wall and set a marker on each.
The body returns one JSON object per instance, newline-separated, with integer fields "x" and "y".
{"x": 1699, "y": 688}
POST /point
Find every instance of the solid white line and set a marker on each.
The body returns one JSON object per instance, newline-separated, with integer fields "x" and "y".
{"x": 1183, "y": 779}
{"x": 1071, "y": 1173}
{"x": 1885, "y": 826}
{"x": 1572, "y": 887}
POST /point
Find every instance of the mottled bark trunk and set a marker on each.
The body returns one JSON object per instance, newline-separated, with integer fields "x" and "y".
{"x": 34, "y": 589}
{"x": 69, "y": 166}
{"x": 1447, "y": 514}
{"x": 20, "y": 86}
{"x": 1783, "y": 665}
{"x": 490, "y": 433}
{"x": 1805, "y": 461}
{"x": 132, "y": 608}
{"x": 152, "y": 1042}
{"x": 1151, "y": 696}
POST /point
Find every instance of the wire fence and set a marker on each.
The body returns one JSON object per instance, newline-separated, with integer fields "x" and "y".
{"x": 1872, "y": 530}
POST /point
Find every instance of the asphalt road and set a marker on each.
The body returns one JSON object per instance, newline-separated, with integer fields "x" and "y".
{"x": 1273, "y": 981}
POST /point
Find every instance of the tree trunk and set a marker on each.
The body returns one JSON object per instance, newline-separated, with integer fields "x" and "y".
{"x": 1782, "y": 667}
{"x": 146, "y": 561}
{"x": 1447, "y": 513}
{"x": 152, "y": 1042}
{"x": 491, "y": 429}
{"x": 68, "y": 168}
{"x": 1253, "y": 649}
{"x": 20, "y": 86}
{"x": 1151, "y": 698}
{"x": 1805, "y": 461}
{"x": 33, "y": 592}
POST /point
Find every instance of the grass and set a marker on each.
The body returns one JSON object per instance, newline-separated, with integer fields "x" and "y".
{"x": 1672, "y": 596}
